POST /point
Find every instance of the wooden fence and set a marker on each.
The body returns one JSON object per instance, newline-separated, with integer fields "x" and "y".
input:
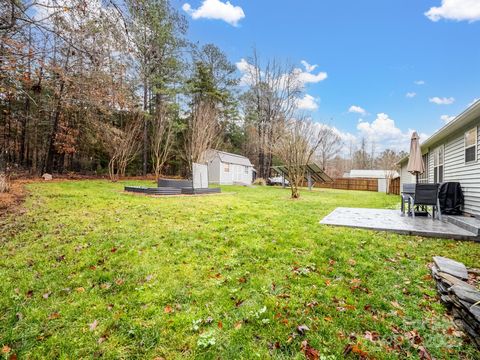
{"x": 351, "y": 184}
{"x": 394, "y": 188}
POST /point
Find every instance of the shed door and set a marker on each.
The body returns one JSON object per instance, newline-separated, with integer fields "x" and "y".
{"x": 238, "y": 173}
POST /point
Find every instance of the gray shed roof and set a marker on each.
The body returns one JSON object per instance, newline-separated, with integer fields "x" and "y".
{"x": 373, "y": 174}
{"x": 231, "y": 158}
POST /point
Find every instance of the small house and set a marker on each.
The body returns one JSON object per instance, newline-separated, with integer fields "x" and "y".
{"x": 452, "y": 154}
{"x": 228, "y": 169}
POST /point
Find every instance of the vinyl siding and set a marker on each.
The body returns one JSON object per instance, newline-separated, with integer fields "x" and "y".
{"x": 455, "y": 169}
{"x": 468, "y": 175}
{"x": 430, "y": 166}
{"x": 405, "y": 176}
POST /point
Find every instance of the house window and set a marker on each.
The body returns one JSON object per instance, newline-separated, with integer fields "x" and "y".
{"x": 423, "y": 178}
{"x": 438, "y": 156}
{"x": 226, "y": 167}
{"x": 471, "y": 145}
{"x": 246, "y": 170}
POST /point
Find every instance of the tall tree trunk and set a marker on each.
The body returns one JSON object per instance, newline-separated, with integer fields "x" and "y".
{"x": 56, "y": 118}
{"x": 145, "y": 128}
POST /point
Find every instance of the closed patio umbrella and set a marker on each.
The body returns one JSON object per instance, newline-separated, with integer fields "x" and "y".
{"x": 415, "y": 162}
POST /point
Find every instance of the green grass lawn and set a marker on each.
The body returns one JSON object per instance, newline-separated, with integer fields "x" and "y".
{"x": 89, "y": 271}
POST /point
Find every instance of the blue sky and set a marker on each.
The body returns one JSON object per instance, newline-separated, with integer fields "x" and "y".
{"x": 373, "y": 51}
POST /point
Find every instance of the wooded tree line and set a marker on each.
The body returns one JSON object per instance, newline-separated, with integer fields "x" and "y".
{"x": 110, "y": 86}
{"x": 105, "y": 86}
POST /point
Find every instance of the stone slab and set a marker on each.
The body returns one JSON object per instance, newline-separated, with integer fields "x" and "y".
{"x": 475, "y": 310}
{"x": 466, "y": 222}
{"x": 451, "y": 267}
{"x": 452, "y": 280}
{"x": 467, "y": 294}
{"x": 393, "y": 221}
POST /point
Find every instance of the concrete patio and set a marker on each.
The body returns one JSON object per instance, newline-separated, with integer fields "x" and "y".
{"x": 393, "y": 221}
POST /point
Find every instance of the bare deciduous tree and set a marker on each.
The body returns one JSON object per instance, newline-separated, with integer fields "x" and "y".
{"x": 162, "y": 138}
{"x": 299, "y": 141}
{"x": 271, "y": 99}
{"x": 329, "y": 147}
{"x": 124, "y": 147}
{"x": 388, "y": 162}
{"x": 202, "y": 132}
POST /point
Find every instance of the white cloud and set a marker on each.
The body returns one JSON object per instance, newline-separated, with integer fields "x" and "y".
{"x": 248, "y": 72}
{"x": 419, "y": 82}
{"x": 307, "y": 76}
{"x": 442, "y": 101}
{"x": 302, "y": 76}
{"x": 308, "y": 67}
{"x": 382, "y": 127}
{"x": 345, "y": 137}
{"x": 458, "y": 10}
{"x": 217, "y": 10}
{"x": 357, "y": 109}
{"x": 385, "y": 134}
{"x": 411, "y": 94}
{"x": 447, "y": 118}
{"x": 308, "y": 102}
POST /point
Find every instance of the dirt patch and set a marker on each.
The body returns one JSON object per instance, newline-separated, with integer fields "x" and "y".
{"x": 12, "y": 201}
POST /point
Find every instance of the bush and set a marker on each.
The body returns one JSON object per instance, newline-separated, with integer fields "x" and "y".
{"x": 260, "y": 182}
{"x": 4, "y": 183}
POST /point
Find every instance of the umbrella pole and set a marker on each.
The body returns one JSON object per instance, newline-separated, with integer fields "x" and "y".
{"x": 416, "y": 177}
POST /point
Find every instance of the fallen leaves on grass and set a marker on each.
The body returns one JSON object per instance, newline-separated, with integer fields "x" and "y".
{"x": 119, "y": 282}
{"x": 357, "y": 350}
{"x": 371, "y": 336}
{"x": 424, "y": 354}
{"x": 302, "y": 329}
{"x": 396, "y": 304}
{"x": 80, "y": 289}
{"x": 309, "y": 352}
{"x": 102, "y": 339}
{"x": 454, "y": 332}
{"x": 6, "y": 349}
{"x": 168, "y": 309}
{"x": 93, "y": 325}
{"x": 53, "y": 316}
{"x": 238, "y": 325}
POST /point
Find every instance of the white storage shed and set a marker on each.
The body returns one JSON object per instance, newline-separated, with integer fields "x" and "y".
{"x": 228, "y": 169}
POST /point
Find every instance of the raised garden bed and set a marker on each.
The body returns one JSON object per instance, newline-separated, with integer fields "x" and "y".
{"x": 175, "y": 183}
{"x": 154, "y": 191}
{"x": 172, "y": 187}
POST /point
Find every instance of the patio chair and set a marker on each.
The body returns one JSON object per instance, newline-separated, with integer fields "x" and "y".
{"x": 426, "y": 195}
{"x": 408, "y": 191}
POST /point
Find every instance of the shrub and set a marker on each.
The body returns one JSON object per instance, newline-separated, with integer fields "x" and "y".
{"x": 4, "y": 183}
{"x": 260, "y": 182}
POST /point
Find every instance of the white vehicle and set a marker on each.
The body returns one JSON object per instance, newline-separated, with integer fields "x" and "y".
{"x": 277, "y": 180}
